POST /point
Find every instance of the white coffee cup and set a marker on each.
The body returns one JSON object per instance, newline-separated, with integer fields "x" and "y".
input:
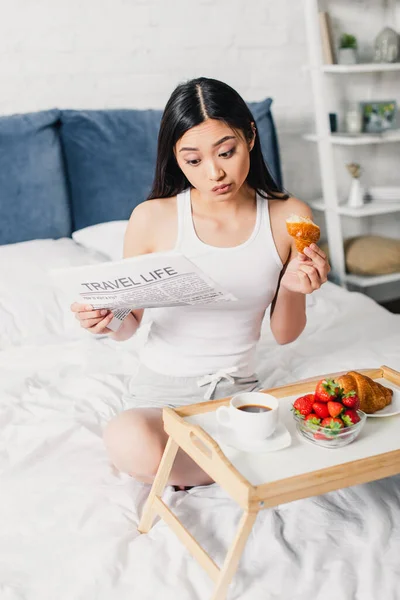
{"x": 250, "y": 424}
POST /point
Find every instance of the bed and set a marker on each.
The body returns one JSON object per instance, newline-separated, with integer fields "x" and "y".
{"x": 68, "y": 519}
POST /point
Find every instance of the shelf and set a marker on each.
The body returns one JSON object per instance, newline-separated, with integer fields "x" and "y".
{"x": 367, "y": 281}
{"x": 361, "y": 68}
{"x": 371, "y": 208}
{"x": 342, "y": 139}
{"x": 322, "y": 77}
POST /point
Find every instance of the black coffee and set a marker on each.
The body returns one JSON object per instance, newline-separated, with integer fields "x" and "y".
{"x": 254, "y": 408}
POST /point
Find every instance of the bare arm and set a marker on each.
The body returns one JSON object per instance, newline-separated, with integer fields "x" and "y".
{"x": 288, "y": 311}
{"x": 301, "y": 275}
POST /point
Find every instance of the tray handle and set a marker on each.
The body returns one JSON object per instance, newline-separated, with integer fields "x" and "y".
{"x": 391, "y": 374}
{"x": 194, "y": 440}
{"x": 202, "y": 441}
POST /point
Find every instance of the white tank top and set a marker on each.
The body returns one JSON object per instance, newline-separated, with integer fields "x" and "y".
{"x": 198, "y": 340}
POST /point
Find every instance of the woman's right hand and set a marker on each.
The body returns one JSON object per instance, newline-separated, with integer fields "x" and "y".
{"x": 95, "y": 321}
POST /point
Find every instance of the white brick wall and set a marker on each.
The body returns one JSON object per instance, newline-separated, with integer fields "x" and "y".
{"x": 132, "y": 53}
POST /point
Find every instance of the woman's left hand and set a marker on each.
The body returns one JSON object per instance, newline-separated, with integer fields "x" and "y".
{"x": 307, "y": 272}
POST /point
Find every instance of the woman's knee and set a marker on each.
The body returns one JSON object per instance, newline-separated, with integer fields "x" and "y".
{"x": 135, "y": 440}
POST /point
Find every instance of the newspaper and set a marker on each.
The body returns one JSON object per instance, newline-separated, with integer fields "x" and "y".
{"x": 146, "y": 281}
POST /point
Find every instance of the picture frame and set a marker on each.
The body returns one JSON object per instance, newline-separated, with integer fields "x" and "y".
{"x": 378, "y": 116}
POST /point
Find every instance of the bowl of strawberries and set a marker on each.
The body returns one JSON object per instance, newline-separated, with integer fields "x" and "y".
{"x": 329, "y": 417}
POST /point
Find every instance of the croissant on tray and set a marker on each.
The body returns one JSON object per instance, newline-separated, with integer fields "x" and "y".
{"x": 303, "y": 230}
{"x": 372, "y": 395}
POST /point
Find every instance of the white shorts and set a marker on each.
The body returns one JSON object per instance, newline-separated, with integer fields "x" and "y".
{"x": 148, "y": 389}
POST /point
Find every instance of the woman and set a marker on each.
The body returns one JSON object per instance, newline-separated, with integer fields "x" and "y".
{"x": 214, "y": 200}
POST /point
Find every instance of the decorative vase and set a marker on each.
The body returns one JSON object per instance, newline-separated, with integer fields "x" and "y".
{"x": 356, "y": 195}
{"x": 347, "y": 56}
{"x": 387, "y": 46}
{"x": 357, "y": 192}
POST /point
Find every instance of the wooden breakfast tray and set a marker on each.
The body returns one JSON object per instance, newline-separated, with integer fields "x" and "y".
{"x": 259, "y": 481}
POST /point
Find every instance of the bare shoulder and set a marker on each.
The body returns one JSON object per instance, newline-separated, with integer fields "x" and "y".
{"x": 146, "y": 212}
{"x": 282, "y": 209}
{"x": 151, "y": 224}
{"x": 279, "y": 211}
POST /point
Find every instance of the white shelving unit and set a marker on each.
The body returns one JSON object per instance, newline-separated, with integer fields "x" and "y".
{"x": 342, "y": 139}
{"x": 361, "y": 68}
{"x": 362, "y": 281}
{"x": 368, "y": 210}
{"x": 326, "y": 141}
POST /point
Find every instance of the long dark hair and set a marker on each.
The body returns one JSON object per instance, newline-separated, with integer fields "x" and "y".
{"x": 190, "y": 104}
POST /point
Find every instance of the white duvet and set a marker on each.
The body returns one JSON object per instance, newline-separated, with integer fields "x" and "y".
{"x": 68, "y": 520}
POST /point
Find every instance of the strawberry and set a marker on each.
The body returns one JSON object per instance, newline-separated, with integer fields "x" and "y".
{"x": 327, "y": 389}
{"x": 351, "y": 400}
{"x": 303, "y": 405}
{"x": 332, "y": 423}
{"x": 312, "y": 420}
{"x": 320, "y": 436}
{"x": 335, "y": 408}
{"x": 350, "y": 417}
{"x": 321, "y": 410}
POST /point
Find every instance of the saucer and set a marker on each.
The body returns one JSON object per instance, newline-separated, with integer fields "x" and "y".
{"x": 281, "y": 438}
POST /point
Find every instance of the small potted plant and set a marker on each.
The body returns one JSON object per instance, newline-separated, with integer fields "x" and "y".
{"x": 347, "y": 49}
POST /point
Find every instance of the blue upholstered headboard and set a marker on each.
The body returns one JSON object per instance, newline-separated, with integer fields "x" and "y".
{"x": 64, "y": 170}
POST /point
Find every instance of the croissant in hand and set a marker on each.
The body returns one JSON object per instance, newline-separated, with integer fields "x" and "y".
{"x": 303, "y": 230}
{"x": 372, "y": 395}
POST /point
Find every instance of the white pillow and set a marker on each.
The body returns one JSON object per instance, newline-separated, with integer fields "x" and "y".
{"x": 107, "y": 238}
{"x": 32, "y": 309}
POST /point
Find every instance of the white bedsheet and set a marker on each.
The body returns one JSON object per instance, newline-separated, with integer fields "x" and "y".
{"x": 68, "y": 520}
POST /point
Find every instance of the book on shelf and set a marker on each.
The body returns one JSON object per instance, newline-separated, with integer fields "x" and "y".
{"x": 384, "y": 194}
{"x": 328, "y": 53}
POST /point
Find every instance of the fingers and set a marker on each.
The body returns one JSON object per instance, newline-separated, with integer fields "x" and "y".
{"x": 76, "y": 307}
{"x": 315, "y": 254}
{"x": 319, "y": 260}
{"x": 85, "y": 312}
{"x": 305, "y": 282}
{"x": 101, "y": 326}
{"x": 95, "y": 321}
{"x": 311, "y": 273}
{"x": 92, "y": 314}
{"x": 92, "y": 324}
